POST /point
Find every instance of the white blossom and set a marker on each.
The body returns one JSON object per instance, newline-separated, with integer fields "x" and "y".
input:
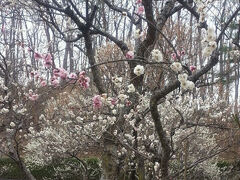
{"x": 156, "y": 166}
{"x": 176, "y": 66}
{"x": 190, "y": 85}
{"x": 157, "y": 55}
{"x": 114, "y": 111}
{"x": 117, "y": 81}
{"x": 12, "y": 124}
{"x": 182, "y": 77}
{"x": 4, "y": 110}
{"x": 139, "y": 70}
{"x": 122, "y": 97}
{"x": 137, "y": 33}
{"x": 131, "y": 88}
{"x": 207, "y": 51}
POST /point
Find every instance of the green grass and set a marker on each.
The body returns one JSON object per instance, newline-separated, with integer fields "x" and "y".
{"x": 49, "y": 172}
{"x": 13, "y": 170}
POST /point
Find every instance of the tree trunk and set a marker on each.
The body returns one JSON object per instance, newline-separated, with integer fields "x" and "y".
{"x": 27, "y": 173}
{"x": 108, "y": 164}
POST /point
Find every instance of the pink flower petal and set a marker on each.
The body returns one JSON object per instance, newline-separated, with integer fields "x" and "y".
{"x": 139, "y": 2}
{"x": 193, "y": 68}
{"x": 130, "y": 55}
{"x": 140, "y": 10}
{"x": 97, "y": 102}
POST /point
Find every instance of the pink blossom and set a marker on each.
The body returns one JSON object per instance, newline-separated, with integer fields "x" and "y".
{"x": 128, "y": 103}
{"x": 48, "y": 60}
{"x": 56, "y": 72}
{"x": 63, "y": 73}
{"x": 32, "y": 73}
{"x": 83, "y": 73}
{"x": 47, "y": 64}
{"x": 174, "y": 56}
{"x": 43, "y": 83}
{"x": 85, "y": 83}
{"x": 83, "y": 80}
{"x": 54, "y": 81}
{"x": 72, "y": 77}
{"x": 48, "y": 57}
{"x": 33, "y": 97}
{"x": 97, "y": 102}
{"x": 114, "y": 101}
{"x": 60, "y": 72}
{"x": 37, "y": 56}
{"x": 182, "y": 52}
{"x": 140, "y": 10}
{"x": 138, "y": 1}
{"x": 193, "y": 68}
{"x": 130, "y": 55}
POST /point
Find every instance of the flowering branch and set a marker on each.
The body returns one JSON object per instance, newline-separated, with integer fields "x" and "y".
{"x": 171, "y": 87}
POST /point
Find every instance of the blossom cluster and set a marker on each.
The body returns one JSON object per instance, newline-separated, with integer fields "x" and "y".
{"x": 185, "y": 84}
{"x": 176, "y": 67}
{"x": 209, "y": 43}
{"x": 140, "y": 9}
{"x": 157, "y": 55}
{"x": 201, "y": 9}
